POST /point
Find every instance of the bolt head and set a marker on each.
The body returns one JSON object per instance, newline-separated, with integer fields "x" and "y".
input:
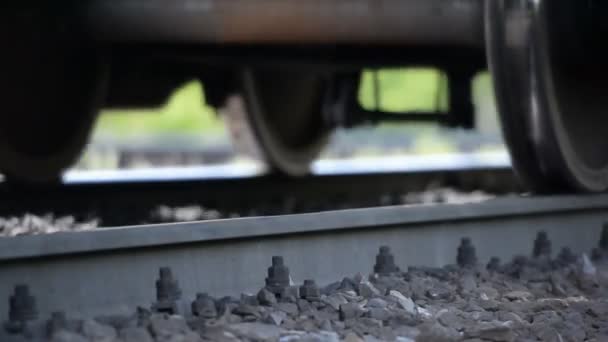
{"x": 277, "y": 261}
{"x": 165, "y": 273}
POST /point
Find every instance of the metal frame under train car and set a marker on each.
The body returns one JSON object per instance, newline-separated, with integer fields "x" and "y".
{"x": 288, "y": 71}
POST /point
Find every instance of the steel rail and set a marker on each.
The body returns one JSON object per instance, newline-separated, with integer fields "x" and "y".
{"x": 114, "y": 270}
{"x": 397, "y": 22}
{"x": 120, "y": 199}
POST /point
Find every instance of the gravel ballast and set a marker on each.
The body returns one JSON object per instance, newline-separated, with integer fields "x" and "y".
{"x": 534, "y": 298}
{"x": 31, "y": 224}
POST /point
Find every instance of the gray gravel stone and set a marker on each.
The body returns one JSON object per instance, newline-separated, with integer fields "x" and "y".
{"x": 330, "y": 289}
{"x": 135, "y": 334}
{"x": 406, "y": 303}
{"x": 256, "y": 331}
{"x": 435, "y": 332}
{"x": 348, "y": 284}
{"x": 98, "y": 332}
{"x": 352, "y": 337}
{"x": 247, "y": 310}
{"x": 190, "y": 336}
{"x": 493, "y": 331}
{"x": 305, "y": 306}
{"x": 380, "y": 314}
{"x": 219, "y": 334}
{"x": 334, "y": 300}
{"x": 467, "y": 283}
{"x": 403, "y": 339}
{"x": 276, "y": 318}
{"x": 350, "y": 311}
{"x": 487, "y": 292}
{"x": 164, "y": 326}
{"x": 377, "y": 303}
{"x": 68, "y": 336}
{"x": 321, "y": 336}
{"x": 289, "y": 308}
{"x": 518, "y": 295}
{"x": 368, "y": 290}
{"x": 452, "y": 318}
{"x": 406, "y": 332}
{"x": 29, "y": 224}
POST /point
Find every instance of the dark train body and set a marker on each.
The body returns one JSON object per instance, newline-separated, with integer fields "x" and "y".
{"x": 290, "y": 71}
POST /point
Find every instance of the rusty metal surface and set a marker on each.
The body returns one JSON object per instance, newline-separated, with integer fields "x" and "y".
{"x": 407, "y": 22}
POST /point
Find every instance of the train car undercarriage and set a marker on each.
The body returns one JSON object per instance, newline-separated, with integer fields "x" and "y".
{"x": 291, "y": 70}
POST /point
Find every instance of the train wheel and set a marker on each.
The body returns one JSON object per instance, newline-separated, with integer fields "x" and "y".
{"x": 549, "y": 72}
{"x": 284, "y": 112}
{"x": 50, "y": 89}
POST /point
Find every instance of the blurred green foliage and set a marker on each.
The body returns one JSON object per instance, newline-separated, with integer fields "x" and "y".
{"x": 404, "y": 90}
{"x": 409, "y": 89}
{"x": 184, "y": 113}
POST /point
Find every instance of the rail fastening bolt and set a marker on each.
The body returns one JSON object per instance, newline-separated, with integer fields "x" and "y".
{"x": 566, "y": 257}
{"x": 310, "y": 291}
{"x": 596, "y": 254}
{"x": 58, "y": 321}
{"x": 466, "y": 257}
{"x": 520, "y": 260}
{"x": 22, "y": 308}
{"x": 604, "y": 238}
{"x": 493, "y": 264}
{"x": 601, "y": 251}
{"x": 542, "y": 246}
{"x": 204, "y": 306}
{"x": 278, "y": 276}
{"x": 167, "y": 292}
{"x": 385, "y": 262}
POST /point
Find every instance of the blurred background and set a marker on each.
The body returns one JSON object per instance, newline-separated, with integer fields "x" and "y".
{"x": 187, "y": 132}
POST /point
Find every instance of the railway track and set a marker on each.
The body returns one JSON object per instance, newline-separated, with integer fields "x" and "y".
{"x": 113, "y": 272}
{"x": 129, "y": 198}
